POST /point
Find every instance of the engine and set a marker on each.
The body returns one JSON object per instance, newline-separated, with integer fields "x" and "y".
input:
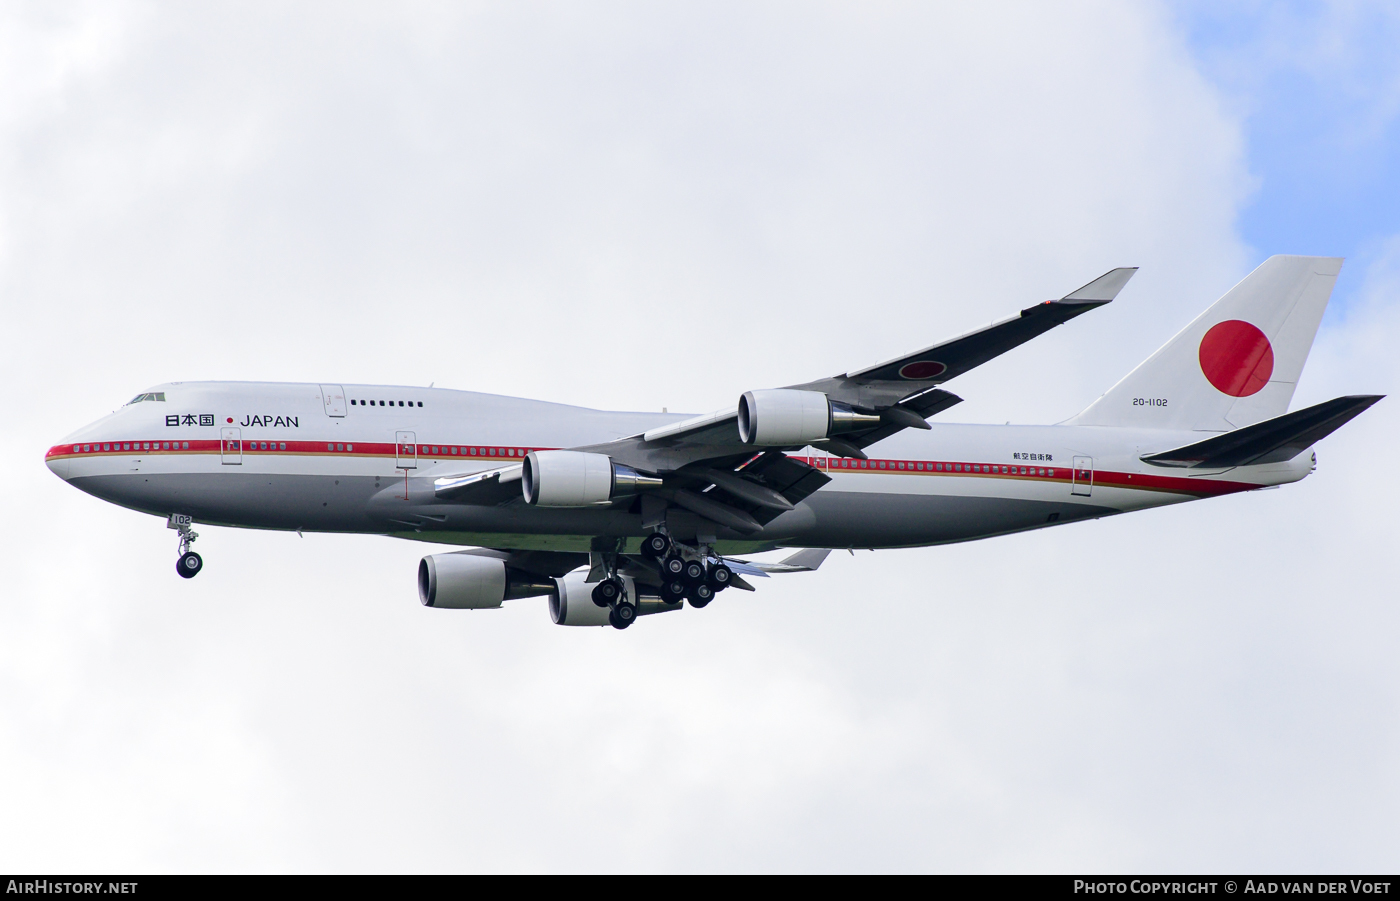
{"x": 571, "y": 603}
{"x": 577, "y": 479}
{"x": 472, "y": 581}
{"x": 786, "y": 416}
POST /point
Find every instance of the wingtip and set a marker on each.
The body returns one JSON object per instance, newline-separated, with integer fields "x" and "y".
{"x": 1104, "y": 288}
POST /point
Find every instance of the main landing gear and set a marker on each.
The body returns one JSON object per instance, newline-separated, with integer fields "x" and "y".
{"x": 611, "y": 592}
{"x": 622, "y": 615}
{"x": 687, "y": 574}
{"x": 190, "y": 563}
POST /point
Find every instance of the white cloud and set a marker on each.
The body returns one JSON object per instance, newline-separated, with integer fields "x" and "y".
{"x": 635, "y": 206}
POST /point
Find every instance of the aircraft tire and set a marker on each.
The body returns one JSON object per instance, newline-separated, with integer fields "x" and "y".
{"x": 622, "y": 616}
{"x": 605, "y": 592}
{"x": 700, "y": 595}
{"x": 719, "y": 577}
{"x": 655, "y": 545}
{"x": 189, "y": 565}
{"x": 673, "y": 591}
{"x": 673, "y": 566}
{"x": 694, "y": 572}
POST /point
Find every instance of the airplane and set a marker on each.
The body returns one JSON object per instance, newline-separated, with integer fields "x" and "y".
{"x": 615, "y": 515}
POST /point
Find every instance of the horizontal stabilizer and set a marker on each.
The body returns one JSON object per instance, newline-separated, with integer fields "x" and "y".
{"x": 1271, "y": 441}
{"x": 806, "y": 560}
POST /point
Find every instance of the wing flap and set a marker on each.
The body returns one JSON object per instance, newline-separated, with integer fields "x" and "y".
{"x": 492, "y": 486}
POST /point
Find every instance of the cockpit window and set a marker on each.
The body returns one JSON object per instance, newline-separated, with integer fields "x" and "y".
{"x": 154, "y": 395}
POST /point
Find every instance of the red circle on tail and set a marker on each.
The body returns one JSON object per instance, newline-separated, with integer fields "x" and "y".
{"x": 1237, "y": 358}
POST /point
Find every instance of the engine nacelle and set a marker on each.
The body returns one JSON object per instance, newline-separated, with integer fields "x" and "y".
{"x": 576, "y": 479}
{"x": 787, "y": 416}
{"x": 571, "y": 603}
{"x": 472, "y": 581}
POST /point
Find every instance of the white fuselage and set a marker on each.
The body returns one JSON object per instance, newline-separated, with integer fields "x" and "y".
{"x": 363, "y": 458}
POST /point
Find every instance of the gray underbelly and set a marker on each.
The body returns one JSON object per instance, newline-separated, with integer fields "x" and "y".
{"x": 856, "y": 519}
{"x": 366, "y": 504}
{"x": 251, "y": 500}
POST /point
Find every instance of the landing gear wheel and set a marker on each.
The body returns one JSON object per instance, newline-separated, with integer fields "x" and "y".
{"x": 605, "y": 592}
{"x": 622, "y": 616}
{"x": 655, "y": 545}
{"x": 700, "y": 595}
{"x": 719, "y": 577}
{"x": 694, "y": 572}
{"x": 673, "y": 592}
{"x": 673, "y": 567}
{"x": 189, "y": 565}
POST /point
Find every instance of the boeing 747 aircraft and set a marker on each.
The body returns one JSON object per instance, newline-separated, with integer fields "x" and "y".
{"x": 616, "y": 515}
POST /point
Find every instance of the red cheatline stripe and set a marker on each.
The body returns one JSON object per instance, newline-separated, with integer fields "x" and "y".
{"x": 1026, "y": 472}
{"x": 489, "y": 453}
{"x": 301, "y": 448}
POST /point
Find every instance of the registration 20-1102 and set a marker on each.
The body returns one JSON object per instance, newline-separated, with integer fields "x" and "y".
{"x": 1149, "y": 401}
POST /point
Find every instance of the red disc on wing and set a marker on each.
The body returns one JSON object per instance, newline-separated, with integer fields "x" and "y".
{"x": 1237, "y": 358}
{"x": 924, "y": 369}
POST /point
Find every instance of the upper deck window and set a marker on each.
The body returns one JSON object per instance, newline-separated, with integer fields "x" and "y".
{"x": 156, "y": 395}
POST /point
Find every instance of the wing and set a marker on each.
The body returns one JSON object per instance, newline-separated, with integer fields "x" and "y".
{"x": 709, "y": 472}
{"x": 902, "y": 392}
{"x": 892, "y": 383}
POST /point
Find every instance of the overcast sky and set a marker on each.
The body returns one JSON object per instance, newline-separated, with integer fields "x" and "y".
{"x": 632, "y": 206}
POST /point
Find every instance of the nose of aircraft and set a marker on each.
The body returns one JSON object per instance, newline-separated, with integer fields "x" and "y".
{"x": 57, "y": 460}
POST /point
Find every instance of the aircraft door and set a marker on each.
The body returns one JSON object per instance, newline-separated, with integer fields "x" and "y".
{"x": 231, "y": 446}
{"x": 334, "y": 398}
{"x": 405, "y": 450}
{"x": 1082, "y": 481}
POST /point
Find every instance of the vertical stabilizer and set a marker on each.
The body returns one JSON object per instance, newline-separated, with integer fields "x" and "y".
{"x": 1237, "y": 363}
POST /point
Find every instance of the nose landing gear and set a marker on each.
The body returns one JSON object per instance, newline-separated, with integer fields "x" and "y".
{"x": 190, "y": 563}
